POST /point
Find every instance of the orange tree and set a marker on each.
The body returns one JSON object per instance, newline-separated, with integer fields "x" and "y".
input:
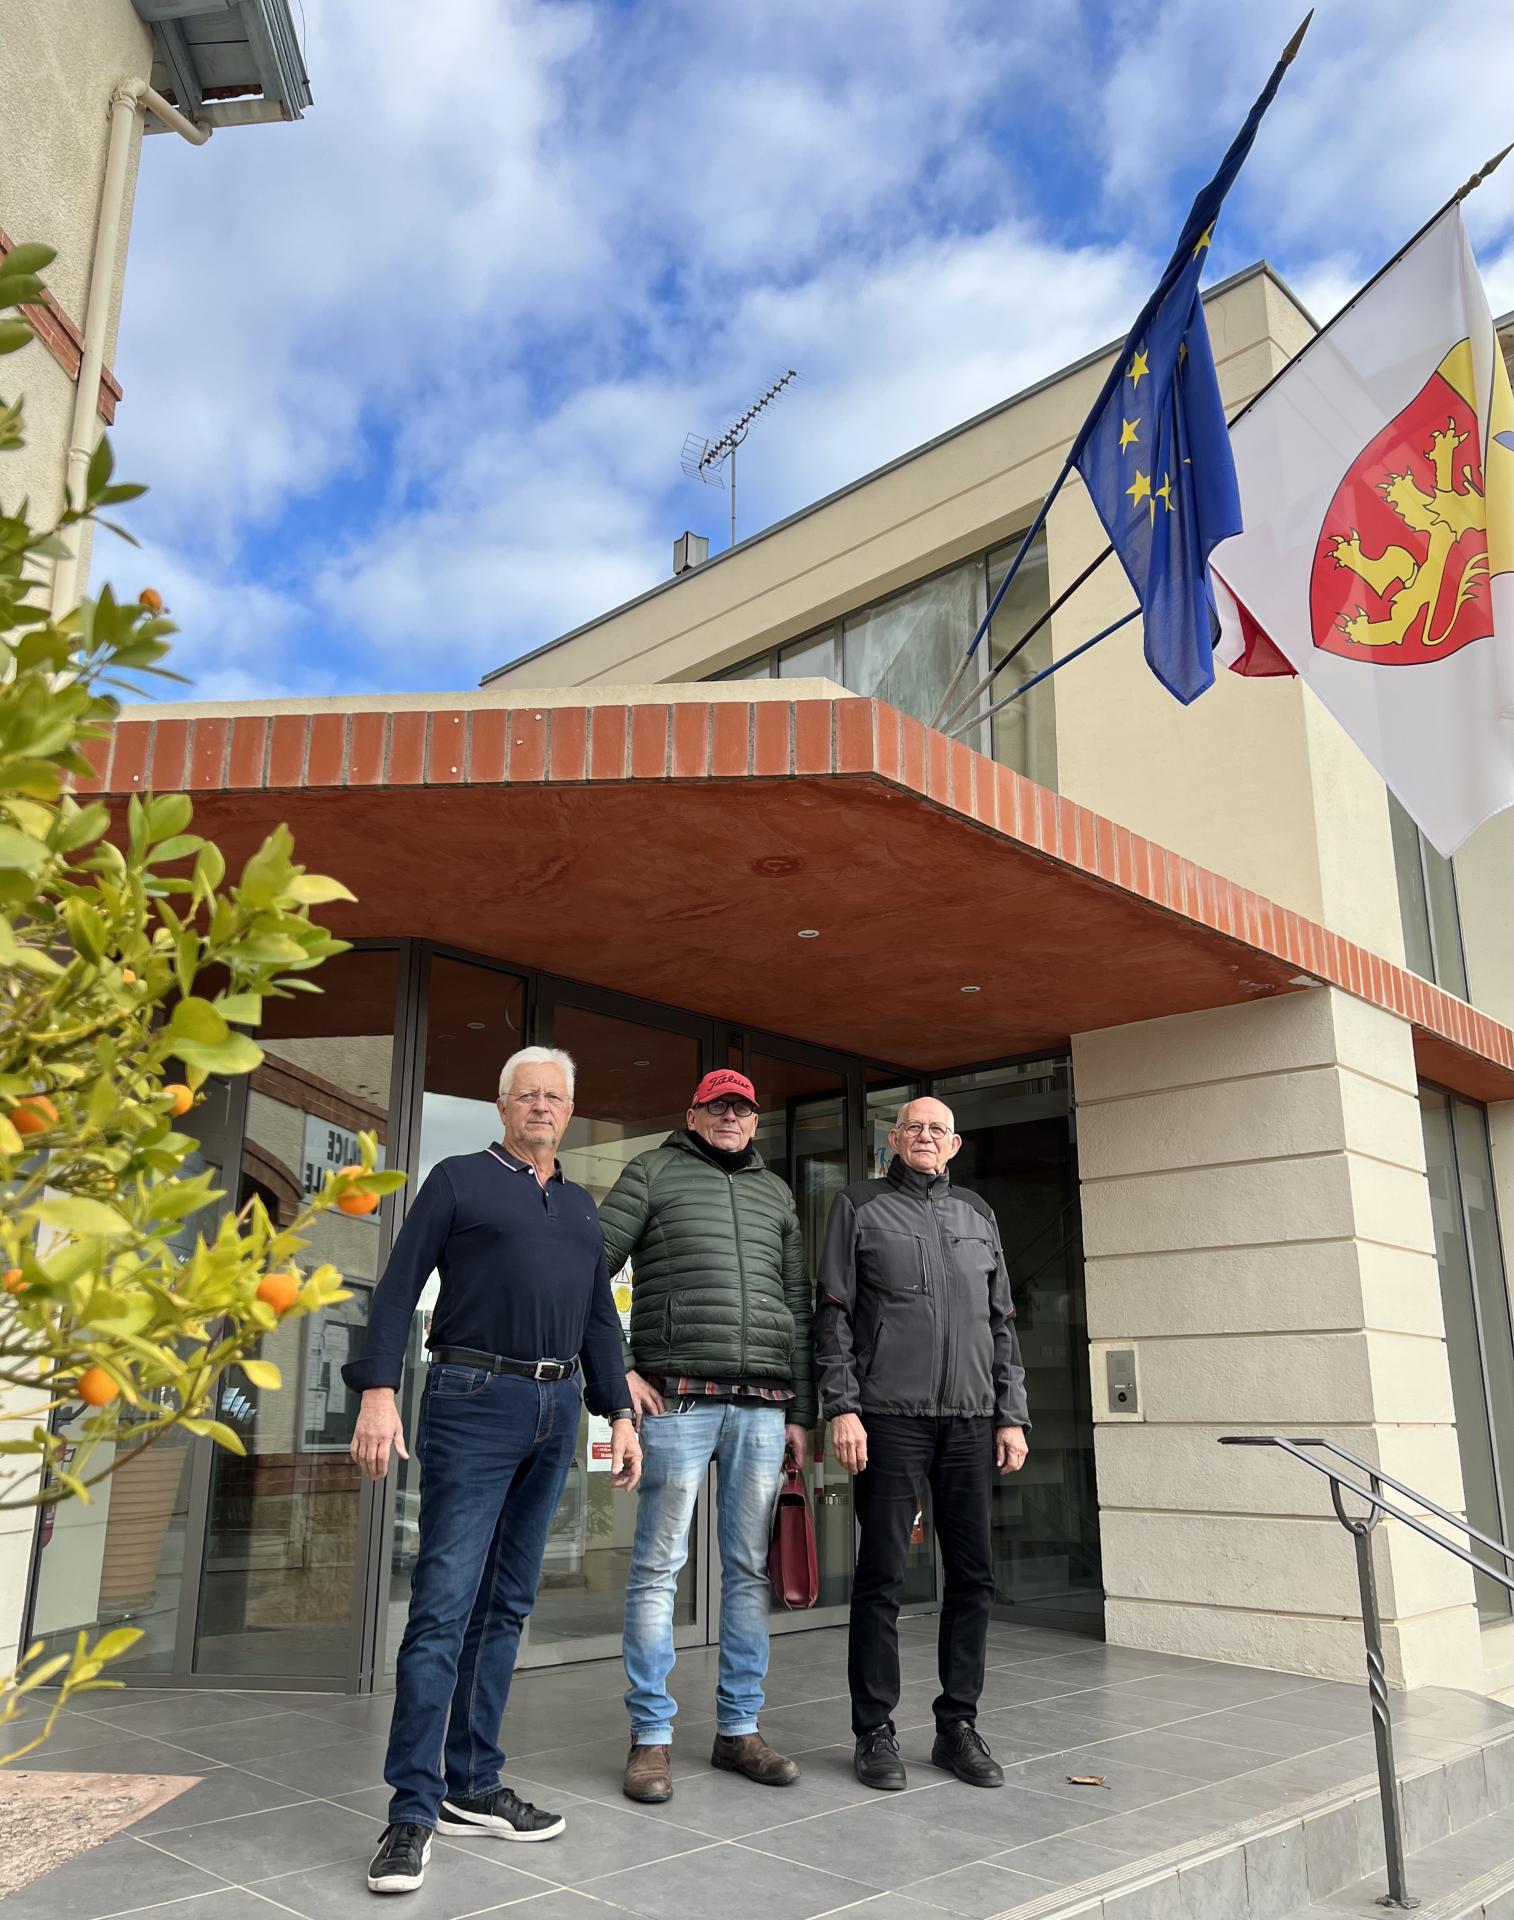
{"x": 131, "y": 969}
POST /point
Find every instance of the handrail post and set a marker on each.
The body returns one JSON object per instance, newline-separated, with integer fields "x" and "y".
{"x": 1361, "y": 1532}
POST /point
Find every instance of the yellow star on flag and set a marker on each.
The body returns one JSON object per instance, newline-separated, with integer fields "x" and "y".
{"x": 1164, "y": 494}
{"x": 1140, "y": 490}
{"x": 1203, "y": 241}
{"x": 1128, "y": 434}
{"x": 1138, "y": 367}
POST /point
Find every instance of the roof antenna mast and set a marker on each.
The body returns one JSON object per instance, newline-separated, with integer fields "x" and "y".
{"x": 703, "y": 459}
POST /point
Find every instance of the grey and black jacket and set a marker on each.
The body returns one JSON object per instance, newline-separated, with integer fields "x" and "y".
{"x": 722, "y": 1288}
{"x": 912, "y": 1312}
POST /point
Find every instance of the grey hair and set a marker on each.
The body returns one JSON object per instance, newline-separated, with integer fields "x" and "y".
{"x": 536, "y": 1057}
{"x": 907, "y": 1104}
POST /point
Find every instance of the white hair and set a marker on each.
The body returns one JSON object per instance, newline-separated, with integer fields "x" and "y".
{"x": 536, "y": 1057}
{"x": 915, "y": 1101}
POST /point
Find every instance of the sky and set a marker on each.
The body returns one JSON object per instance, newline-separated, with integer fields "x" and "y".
{"x": 410, "y": 380}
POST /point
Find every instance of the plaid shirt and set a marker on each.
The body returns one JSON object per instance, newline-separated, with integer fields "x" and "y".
{"x": 688, "y": 1387}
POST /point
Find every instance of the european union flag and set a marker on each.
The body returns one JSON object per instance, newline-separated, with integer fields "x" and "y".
{"x": 1155, "y": 451}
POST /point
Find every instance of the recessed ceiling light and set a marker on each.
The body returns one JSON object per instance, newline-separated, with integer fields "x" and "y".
{"x": 969, "y": 989}
{"x": 809, "y": 933}
{"x": 641, "y": 1063}
{"x": 474, "y": 1026}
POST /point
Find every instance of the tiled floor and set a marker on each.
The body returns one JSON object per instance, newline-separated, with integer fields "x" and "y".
{"x": 289, "y": 1807}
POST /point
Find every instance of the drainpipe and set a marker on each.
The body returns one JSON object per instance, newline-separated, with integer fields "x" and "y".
{"x": 128, "y": 100}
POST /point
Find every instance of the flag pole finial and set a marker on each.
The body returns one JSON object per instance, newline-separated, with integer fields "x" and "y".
{"x": 1298, "y": 39}
{"x": 1487, "y": 167}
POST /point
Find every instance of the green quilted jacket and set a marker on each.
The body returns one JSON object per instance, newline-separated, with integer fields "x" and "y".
{"x": 720, "y": 1289}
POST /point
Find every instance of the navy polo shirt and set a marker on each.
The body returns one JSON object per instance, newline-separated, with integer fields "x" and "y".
{"x": 522, "y": 1268}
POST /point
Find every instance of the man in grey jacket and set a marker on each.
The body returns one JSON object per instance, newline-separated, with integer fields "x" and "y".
{"x": 921, "y": 1380}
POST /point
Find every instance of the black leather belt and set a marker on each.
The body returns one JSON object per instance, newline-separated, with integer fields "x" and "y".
{"x": 497, "y": 1363}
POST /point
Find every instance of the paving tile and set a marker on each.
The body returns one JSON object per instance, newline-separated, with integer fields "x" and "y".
{"x": 218, "y": 1795}
{"x": 1233, "y": 1729}
{"x": 1276, "y": 1876}
{"x": 365, "y": 1713}
{"x": 1154, "y": 1901}
{"x": 175, "y": 1713}
{"x": 724, "y": 1807}
{"x": 1125, "y": 1787}
{"x": 245, "y": 1742}
{"x": 980, "y": 1890}
{"x": 873, "y": 1844}
{"x": 886, "y": 1906}
{"x": 602, "y": 1839}
{"x": 315, "y": 1833}
{"x": 373, "y": 1802}
{"x": 456, "y": 1883}
{"x": 1066, "y": 1857}
{"x": 1214, "y": 1888}
{"x": 1332, "y": 1853}
{"x": 1498, "y": 1766}
{"x": 347, "y": 1768}
{"x": 1425, "y": 1816}
{"x": 1003, "y": 1818}
{"x": 729, "y": 1877}
{"x": 120, "y": 1873}
{"x": 117, "y": 1751}
{"x": 226, "y": 1903}
{"x": 1170, "y": 1751}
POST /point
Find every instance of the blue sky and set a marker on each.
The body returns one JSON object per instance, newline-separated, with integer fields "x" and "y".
{"x": 410, "y": 380}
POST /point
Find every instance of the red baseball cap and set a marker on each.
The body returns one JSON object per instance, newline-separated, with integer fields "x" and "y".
{"x": 723, "y": 1084}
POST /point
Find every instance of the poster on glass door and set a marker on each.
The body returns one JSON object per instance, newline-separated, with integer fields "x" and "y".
{"x": 599, "y": 1460}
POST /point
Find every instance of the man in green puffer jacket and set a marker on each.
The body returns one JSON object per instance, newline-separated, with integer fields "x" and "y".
{"x": 720, "y": 1367}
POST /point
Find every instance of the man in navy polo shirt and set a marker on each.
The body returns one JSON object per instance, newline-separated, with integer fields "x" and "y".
{"x": 525, "y": 1306}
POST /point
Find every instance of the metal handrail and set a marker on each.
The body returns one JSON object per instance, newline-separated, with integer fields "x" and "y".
{"x": 1361, "y": 1531}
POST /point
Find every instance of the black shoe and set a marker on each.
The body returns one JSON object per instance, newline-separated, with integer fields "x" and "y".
{"x": 399, "y": 1866}
{"x": 878, "y": 1762}
{"x": 962, "y": 1750}
{"x": 500, "y": 1813}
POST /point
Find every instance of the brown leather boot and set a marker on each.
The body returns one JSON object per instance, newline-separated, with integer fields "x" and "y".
{"x": 750, "y": 1754}
{"x": 649, "y": 1774}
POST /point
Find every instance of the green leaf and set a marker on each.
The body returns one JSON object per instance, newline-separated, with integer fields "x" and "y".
{"x": 75, "y": 1214}
{"x": 197, "y": 1020}
{"x": 15, "y": 334}
{"x": 235, "y": 1054}
{"x": 101, "y": 465}
{"x": 315, "y": 889}
{"x": 216, "y": 1430}
{"x": 87, "y": 930}
{"x": 177, "y": 846}
{"x": 20, "y": 850}
{"x": 262, "y": 1373}
{"x": 110, "y": 1646}
{"x": 245, "y": 1008}
{"x": 167, "y": 814}
{"x": 28, "y": 256}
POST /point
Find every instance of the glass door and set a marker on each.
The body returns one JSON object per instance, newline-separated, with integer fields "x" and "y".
{"x": 1017, "y": 1153}
{"x": 636, "y": 1077}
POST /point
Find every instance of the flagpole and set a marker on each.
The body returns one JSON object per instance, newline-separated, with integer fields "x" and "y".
{"x": 953, "y": 720}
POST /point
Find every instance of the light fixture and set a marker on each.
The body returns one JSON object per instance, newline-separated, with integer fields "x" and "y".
{"x": 969, "y": 989}
{"x": 474, "y": 1026}
{"x": 641, "y": 1063}
{"x": 809, "y": 933}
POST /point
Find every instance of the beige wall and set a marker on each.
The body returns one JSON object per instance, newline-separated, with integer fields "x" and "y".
{"x": 58, "y": 67}
{"x": 1257, "y": 1225}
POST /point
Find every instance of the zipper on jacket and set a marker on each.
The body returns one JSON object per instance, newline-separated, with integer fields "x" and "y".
{"x": 944, "y": 1312}
{"x": 740, "y": 1274}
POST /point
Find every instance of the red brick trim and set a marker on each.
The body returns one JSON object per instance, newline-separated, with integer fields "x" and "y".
{"x": 65, "y": 343}
{"x": 776, "y": 739}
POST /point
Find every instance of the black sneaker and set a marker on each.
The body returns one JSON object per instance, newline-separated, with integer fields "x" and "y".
{"x": 878, "y": 1760}
{"x": 962, "y": 1750}
{"x": 501, "y": 1813}
{"x": 399, "y": 1866}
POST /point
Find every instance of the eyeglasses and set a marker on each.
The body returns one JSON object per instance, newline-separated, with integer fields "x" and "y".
{"x": 741, "y": 1109}
{"x": 529, "y": 1096}
{"x": 933, "y": 1127}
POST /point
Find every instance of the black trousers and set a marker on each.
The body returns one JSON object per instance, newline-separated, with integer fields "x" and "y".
{"x": 905, "y": 1455}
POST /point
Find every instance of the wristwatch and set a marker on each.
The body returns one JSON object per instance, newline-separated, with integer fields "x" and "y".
{"x": 623, "y": 1413}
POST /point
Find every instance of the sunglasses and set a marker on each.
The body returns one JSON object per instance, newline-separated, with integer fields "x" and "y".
{"x": 742, "y": 1109}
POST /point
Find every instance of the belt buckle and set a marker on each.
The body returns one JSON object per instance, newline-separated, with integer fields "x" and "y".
{"x": 548, "y": 1370}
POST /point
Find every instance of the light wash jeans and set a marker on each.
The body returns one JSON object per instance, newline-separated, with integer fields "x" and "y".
{"x": 746, "y": 1443}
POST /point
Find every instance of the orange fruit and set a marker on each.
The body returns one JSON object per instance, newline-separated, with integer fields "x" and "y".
{"x": 355, "y": 1203}
{"x": 150, "y": 598}
{"x": 128, "y": 978}
{"x": 35, "y": 1114}
{"x": 96, "y": 1388}
{"x": 12, "y": 1280}
{"x": 279, "y": 1291}
{"x": 180, "y": 1096}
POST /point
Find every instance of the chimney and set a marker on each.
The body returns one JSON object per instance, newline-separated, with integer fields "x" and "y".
{"x": 690, "y": 550}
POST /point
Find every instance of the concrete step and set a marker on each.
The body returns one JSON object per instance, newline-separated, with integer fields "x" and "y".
{"x": 1323, "y": 1855}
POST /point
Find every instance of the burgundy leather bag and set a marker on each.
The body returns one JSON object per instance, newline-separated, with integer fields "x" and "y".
{"x": 793, "y": 1564}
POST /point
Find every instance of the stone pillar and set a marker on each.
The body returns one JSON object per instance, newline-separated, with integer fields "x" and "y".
{"x": 1257, "y": 1226}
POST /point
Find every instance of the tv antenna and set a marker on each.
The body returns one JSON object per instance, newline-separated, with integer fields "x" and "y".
{"x": 703, "y": 459}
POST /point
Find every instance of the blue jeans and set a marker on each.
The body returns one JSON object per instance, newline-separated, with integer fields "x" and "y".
{"x": 495, "y": 1450}
{"x": 746, "y": 1444}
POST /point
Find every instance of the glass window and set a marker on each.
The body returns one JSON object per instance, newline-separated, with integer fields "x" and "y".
{"x": 1024, "y": 732}
{"x": 812, "y": 659}
{"x": 1427, "y": 905}
{"x": 759, "y": 669}
{"x": 1475, "y": 1304}
{"x": 473, "y": 1025}
{"x": 633, "y": 1090}
{"x": 906, "y": 649}
{"x": 278, "y": 1586}
{"x": 1017, "y": 1153}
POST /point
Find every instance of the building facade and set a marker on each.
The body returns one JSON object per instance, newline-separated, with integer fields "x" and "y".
{"x": 1230, "y": 1049}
